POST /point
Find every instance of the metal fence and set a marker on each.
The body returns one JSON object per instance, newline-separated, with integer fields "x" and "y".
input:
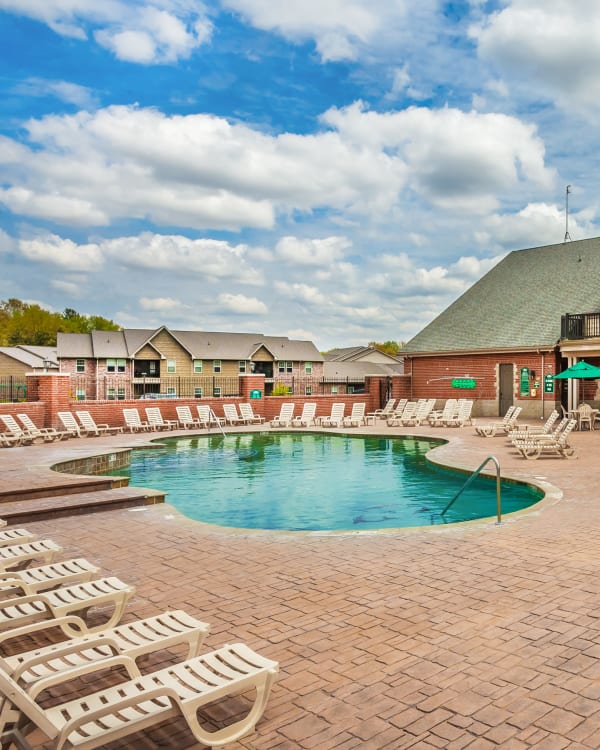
{"x": 12, "y": 388}
{"x": 114, "y": 388}
{"x": 306, "y": 386}
{"x": 580, "y": 326}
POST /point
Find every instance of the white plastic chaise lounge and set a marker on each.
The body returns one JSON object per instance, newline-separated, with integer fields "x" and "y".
{"x": 70, "y": 424}
{"x": 463, "y": 416}
{"x": 133, "y": 421}
{"x": 335, "y": 418}
{"x": 9, "y": 441}
{"x": 385, "y": 412}
{"x": 96, "y": 719}
{"x": 356, "y": 418}
{"x": 156, "y": 419}
{"x": 307, "y": 417}
{"x": 70, "y": 603}
{"x": 408, "y": 411}
{"x": 186, "y": 420}
{"x": 555, "y": 445}
{"x": 231, "y": 414}
{"x": 19, "y": 556}
{"x": 507, "y": 424}
{"x": 48, "y": 433}
{"x": 450, "y": 410}
{"x": 527, "y": 430}
{"x": 208, "y": 417}
{"x": 62, "y": 573}
{"x": 248, "y": 415}
{"x": 15, "y": 536}
{"x": 135, "y": 639}
{"x": 14, "y": 429}
{"x": 286, "y": 414}
{"x": 87, "y": 422}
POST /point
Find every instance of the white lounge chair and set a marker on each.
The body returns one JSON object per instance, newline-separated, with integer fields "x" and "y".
{"x": 508, "y": 424}
{"x": 14, "y": 429}
{"x": 48, "y": 433}
{"x": 356, "y": 418}
{"x": 18, "y": 556}
{"x": 334, "y": 419}
{"x": 15, "y": 536}
{"x": 32, "y": 580}
{"x": 95, "y": 720}
{"x": 9, "y": 441}
{"x": 385, "y": 412}
{"x": 70, "y": 424}
{"x": 87, "y": 422}
{"x": 71, "y": 603}
{"x": 450, "y": 410}
{"x": 286, "y": 414}
{"x": 248, "y": 415}
{"x": 208, "y": 417}
{"x": 527, "y": 430}
{"x": 155, "y": 418}
{"x": 463, "y": 415}
{"x": 307, "y": 417}
{"x": 186, "y": 420}
{"x": 138, "y": 638}
{"x": 554, "y": 444}
{"x": 133, "y": 421}
{"x": 231, "y": 414}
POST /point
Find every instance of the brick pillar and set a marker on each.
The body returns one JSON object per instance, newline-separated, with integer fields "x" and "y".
{"x": 253, "y": 382}
{"x": 54, "y": 389}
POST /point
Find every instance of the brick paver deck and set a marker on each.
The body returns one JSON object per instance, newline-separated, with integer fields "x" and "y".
{"x": 467, "y": 636}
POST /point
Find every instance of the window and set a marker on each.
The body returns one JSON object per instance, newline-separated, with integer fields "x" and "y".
{"x": 80, "y": 365}
{"x": 171, "y": 391}
{"x": 80, "y": 394}
{"x": 334, "y": 389}
{"x": 350, "y": 389}
{"x": 171, "y": 365}
{"x": 198, "y": 366}
{"x": 115, "y": 365}
{"x": 242, "y": 365}
{"x": 110, "y": 394}
{"x": 308, "y": 390}
{"x": 216, "y": 365}
{"x": 308, "y": 368}
{"x": 121, "y": 394}
{"x": 118, "y": 393}
{"x": 197, "y": 392}
{"x": 217, "y": 392}
{"x": 152, "y": 369}
{"x": 284, "y": 366}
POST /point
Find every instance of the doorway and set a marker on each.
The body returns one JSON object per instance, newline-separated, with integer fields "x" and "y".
{"x": 506, "y": 395}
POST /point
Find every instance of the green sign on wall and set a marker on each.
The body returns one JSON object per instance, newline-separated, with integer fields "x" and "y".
{"x": 256, "y": 393}
{"x": 549, "y": 383}
{"x": 524, "y": 381}
{"x": 468, "y": 383}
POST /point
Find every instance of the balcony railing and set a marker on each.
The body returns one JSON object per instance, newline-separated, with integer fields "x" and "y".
{"x": 580, "y": 326}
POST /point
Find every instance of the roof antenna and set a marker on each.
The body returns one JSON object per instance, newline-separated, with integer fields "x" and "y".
{"x": 567, "y": 235}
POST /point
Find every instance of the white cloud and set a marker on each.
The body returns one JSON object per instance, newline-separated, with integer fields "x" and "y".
{"x": 139, "y": 31}
{"x": 72, "y": 93}
{"x": 57, "y": 251}
{"x": 239, "y": 303}
{"x": 59, "y": 208}
{"x": 159, "y": 304}
{"x": 549, "y": 45}
{"x": 312, "y": 252}
{"x": 73, "y": 289}
{"x": 8, "y": 244}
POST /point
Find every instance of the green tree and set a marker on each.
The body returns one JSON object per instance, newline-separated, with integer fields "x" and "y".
{"x": 389, "y": 347}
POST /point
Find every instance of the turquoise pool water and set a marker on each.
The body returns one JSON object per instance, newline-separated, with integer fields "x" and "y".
{"x": 315, "y": 482}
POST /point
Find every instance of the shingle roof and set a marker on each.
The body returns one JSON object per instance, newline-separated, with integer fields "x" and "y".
{"x": 200, "y": 344}
{"x": 32, "y": 356}
{"x": 519, "y": 303}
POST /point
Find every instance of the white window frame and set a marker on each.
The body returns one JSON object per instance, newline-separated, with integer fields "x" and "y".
{"x": 171, "y": 390}
{"x": 242, "y": 366}
{"x": 308, "y": 368}
{"x": 171, "y": 366}
{"x": 285, "y": 365}
{"x": 198, "y": 392}
{"x": 80, "y": 394}
{"x": 198, "y": 366}
{"x": 334, "y": 389}
{"x": 217, "y": 391}
{"x": 308, "y": 390}
{"x": 217, "y": 365}
{"x": 80, "y": 365}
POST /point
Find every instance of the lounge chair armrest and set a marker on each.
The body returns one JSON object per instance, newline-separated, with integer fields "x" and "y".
{"x": 8, "y": 582}
{"x": 120, "y": 660}
{"x": 65, "y": 649}
{"x": 91, "y": 716}
{"x": 34, "y": 627}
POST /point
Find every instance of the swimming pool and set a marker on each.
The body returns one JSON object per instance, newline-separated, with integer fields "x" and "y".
{"x": 315, "y": 482}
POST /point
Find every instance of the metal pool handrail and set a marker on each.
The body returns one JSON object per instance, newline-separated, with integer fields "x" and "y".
{"x": 472, "y": 478}
{"x": 217, "y": 421}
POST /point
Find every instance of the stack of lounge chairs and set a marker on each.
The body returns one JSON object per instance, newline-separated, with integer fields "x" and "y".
{"x": 554, "y": 443}
{"x": 57, "y": 596}
{"x": 503, "y": 427}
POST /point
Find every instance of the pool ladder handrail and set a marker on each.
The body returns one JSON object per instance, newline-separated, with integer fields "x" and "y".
{"x": 216, "y": 420}
{"x": 472, "y": 478}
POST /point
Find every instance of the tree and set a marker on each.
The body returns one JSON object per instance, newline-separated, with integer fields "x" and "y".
{"x": 389, "y": 347}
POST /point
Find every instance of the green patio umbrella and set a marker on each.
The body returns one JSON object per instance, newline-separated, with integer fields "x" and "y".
{"x": 580, "y": 370}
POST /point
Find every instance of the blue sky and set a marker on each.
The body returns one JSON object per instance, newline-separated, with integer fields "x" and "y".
{"x": 338, "y": 170}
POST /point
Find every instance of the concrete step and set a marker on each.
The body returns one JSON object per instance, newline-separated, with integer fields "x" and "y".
{"x": 54, "y": 506}
{"x": 33, "y": 486}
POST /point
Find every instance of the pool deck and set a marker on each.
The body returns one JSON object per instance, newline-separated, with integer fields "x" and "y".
{"x": 465, "y": 636}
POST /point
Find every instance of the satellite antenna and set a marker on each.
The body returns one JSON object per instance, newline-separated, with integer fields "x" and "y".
{"x": 567, "y": 235}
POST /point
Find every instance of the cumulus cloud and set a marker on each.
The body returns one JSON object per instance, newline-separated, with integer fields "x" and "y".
{"x": 159, "y": 304}
{"x": 338, "y": 27}
{"x": 138, "y": 31}
{"x": 312, "y": 252}
{"x": 242, "y": 305}
{"x": 459, "y": 160}
{"x": 58, "y": 251}
{"x": 71, "y": 93}
{"x": 561, "y": 59}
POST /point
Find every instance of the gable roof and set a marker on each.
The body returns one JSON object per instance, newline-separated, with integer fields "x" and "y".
{"x": 31, "y": 356}
{"x": 356, "y": 353}
{"x": 519, "y": 303}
